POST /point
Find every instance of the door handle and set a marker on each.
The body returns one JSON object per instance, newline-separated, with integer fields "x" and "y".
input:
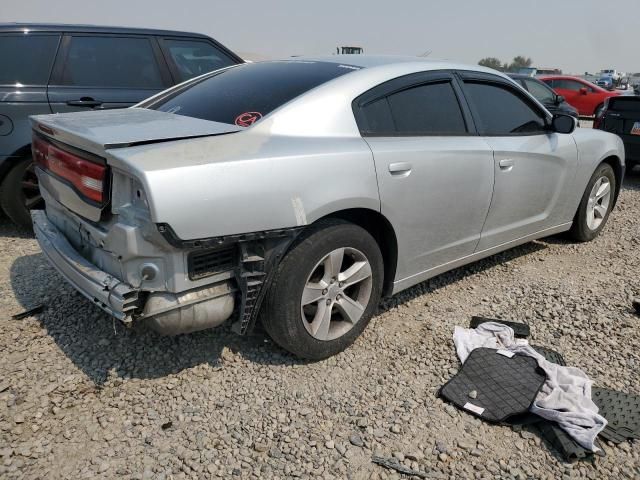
{"x": 506, "y": 164}
{"x": 400, "y": 169}
{"x": 84, "y": 102}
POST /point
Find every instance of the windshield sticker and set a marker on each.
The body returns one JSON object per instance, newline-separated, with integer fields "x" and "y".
{"x": 247, "y": 119}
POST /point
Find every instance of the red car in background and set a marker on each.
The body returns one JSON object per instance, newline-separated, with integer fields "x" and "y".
{"x": 586, "y": 97}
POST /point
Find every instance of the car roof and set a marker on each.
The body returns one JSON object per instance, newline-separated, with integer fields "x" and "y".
{"x": 373, "y": 61}
{"x": 61, "y": 27}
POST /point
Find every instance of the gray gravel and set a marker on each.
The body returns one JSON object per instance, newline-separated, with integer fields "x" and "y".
{"x": 82, "y": 397}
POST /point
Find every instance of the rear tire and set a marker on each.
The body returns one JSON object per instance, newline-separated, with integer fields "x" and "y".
{"x": 595, "y": 206}
{"x": 321, "y": 300}
{"x": 19, "y": 193}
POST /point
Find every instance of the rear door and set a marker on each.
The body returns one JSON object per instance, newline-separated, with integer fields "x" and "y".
{"x": 191, "y": 57}
{"x": 95, "y": 71}
{"x": 532, "y": 165}
{"x": 23, "y": 84}
{"x": 435, "y": 175}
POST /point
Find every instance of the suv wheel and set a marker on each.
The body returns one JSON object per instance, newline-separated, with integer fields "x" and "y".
{"x": 19, "y": 193}
{"x": 325, "y": 291}
{"x": 595, "y": 205}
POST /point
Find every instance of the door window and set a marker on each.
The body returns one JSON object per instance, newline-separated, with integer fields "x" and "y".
{"x": 569, "y": 85}
{"x": 193, "y": 57}
{"x": 429, "y": 109}
{"x": 111, "y": 62}
{"x": 540, "y": 91}
{"x": 26, "y": 59}
{"x": 501, "y": 111}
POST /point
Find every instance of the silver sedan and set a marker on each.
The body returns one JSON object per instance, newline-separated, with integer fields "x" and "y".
{"x": 300, "y": 191}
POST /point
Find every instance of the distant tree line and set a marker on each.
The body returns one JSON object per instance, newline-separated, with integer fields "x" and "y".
{"x": 517, "y": 63}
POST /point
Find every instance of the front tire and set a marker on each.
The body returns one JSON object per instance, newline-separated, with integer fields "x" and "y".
{"x": 19, "y": 193}
{"x": 595, "y": 206}
{"x": 325, "y": 291}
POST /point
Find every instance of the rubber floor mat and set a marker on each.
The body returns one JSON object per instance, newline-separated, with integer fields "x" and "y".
{"x": 564, "y": 444}
{"x": 494, "y": 386}
{"x": 520, "y": 330}
{"x": 550, "y": 355}
{"x": 622, "y": 411}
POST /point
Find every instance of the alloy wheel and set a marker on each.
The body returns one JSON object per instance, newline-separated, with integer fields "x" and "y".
{"x": 336, "y": 293}
{"x": 599, "y": 202}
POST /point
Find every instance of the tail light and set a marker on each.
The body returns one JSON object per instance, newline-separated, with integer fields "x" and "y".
{"x": 597, "y": 122}
{"x": 86, "y": 176}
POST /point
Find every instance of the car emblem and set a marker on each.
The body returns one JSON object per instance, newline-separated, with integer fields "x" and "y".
{"x": 247, "y": 119}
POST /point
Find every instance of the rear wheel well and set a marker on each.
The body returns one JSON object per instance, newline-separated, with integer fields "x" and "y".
{"x": 381, "y": 230}
{"x": 13, "y": 159}
{"x": 615, "y": 163}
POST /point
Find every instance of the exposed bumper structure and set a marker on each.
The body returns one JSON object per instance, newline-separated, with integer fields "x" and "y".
{"x": 112, "y": 295}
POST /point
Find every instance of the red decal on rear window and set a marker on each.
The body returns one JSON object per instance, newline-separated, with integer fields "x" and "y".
{"x": 247, "y": 119}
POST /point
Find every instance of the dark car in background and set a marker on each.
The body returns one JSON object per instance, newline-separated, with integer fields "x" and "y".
{"x": 621, "y": 115}
{"x": 555, "y": 103}
{"x": 63, "y": 68}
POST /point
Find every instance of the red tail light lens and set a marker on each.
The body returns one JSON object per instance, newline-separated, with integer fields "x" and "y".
{"x": 86, "y": 176}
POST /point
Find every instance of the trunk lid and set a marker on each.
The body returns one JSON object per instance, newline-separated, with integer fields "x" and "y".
{"x": 97, "y": 131}
{"x": 70, "y": 150}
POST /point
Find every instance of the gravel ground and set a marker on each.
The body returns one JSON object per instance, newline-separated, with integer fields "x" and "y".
{"x": 82, "y": 397}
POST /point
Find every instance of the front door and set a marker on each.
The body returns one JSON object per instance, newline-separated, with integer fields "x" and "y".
{"x": 435, "y": 176}
{"x": 106, "y": 71}
{"x": 532, "y": 165}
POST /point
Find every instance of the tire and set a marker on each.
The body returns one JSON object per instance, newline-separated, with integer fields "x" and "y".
{"x": 19, "y": 193}
{"x": 585, "y": 228}
{"x": 304, "y": 269}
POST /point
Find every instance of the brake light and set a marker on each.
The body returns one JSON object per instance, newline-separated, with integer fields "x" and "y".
{"x": 86, "y": 176}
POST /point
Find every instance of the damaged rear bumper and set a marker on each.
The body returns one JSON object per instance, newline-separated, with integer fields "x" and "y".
{"x": 112, "y": 295}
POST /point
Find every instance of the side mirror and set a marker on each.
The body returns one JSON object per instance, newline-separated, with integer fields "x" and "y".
{"x": 563, "y": 123}
{"x": 584, "y": 91}
{"x": 559, "y": 99}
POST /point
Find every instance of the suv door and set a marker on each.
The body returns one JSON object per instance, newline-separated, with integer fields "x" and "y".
{"x": 435, "y": 175}
{"x": 532, "y": 165}
{"x": 190, "y": 57}
{"x": 106, "y": 71}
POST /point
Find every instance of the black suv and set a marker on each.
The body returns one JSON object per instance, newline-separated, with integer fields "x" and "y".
{"x": 62, "y": 68}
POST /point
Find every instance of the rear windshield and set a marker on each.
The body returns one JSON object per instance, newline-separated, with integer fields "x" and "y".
{"x": 630, "y": 104}
{"x": 244, "y": 94}
{"x": 26, "y": 59}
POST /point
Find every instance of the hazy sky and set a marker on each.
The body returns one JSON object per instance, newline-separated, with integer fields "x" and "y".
{"x": 575, "y": 35}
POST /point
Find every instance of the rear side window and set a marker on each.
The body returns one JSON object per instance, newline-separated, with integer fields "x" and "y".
{"x": 429, "y": 109}
{"x": 26, "y": 59}
{"x": 501, "y": 112}
{"x": 193, "y": 57}
{"x": 111, "y": 62}
{"x": 245, "y": 93}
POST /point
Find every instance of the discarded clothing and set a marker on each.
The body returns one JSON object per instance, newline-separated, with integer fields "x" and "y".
{"x": 565, "y": 397}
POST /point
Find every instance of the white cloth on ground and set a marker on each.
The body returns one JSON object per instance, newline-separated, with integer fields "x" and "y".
{"x": 565, "y": 397}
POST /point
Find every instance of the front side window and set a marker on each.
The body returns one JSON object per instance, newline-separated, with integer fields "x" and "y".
{"x": 243, "y": 94}
{"x": 540, "y": 91}
{"x": 568, "y": 85}
{"x": 111, "y": 62}
{"x": 429, "y": 109}
{"x": 26, "y": 59}
{"x": 502, "y": 112}
{"x": 194, "y": 57}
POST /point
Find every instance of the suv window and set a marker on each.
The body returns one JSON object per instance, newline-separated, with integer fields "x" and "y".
{"x": 194, "y": 57}
{"x": 105, "y": 61}
{"x": 26, "y": 59}
{"x": 501, "y": 111}
{"x": 539, "y": 90}
{"x": 245, "y": 93}
{"x": 429, "y": 109}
